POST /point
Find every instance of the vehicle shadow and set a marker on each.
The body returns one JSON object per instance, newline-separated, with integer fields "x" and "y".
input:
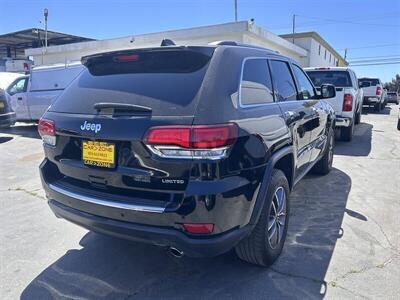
{"x": 370, "y": 110}
{"x": 362, "y": 139}
{"x": 24, "y": 130}
{"x": 108, "y": 268}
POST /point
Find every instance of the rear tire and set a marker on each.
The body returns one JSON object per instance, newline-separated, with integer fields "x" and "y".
{"x": 264, "y": 245}
{"x": 347, "y": 133}
{"x": 358, "y": 118}
{"x": 324, "y": 165}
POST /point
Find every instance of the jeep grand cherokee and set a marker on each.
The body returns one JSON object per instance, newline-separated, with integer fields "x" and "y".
{"x": 191, "y": 148}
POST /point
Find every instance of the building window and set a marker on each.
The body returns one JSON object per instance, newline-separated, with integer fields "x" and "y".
{"x": 325, "y": 54}
{"x": 337, "y": 63}
{"x": 319, "y": 50}
{"x": 330, "y": 57}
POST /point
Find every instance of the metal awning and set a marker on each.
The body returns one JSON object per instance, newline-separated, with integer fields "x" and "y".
{"x": 13, "y": 44}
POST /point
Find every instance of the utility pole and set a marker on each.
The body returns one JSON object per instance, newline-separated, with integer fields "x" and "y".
{"x": 46, "y": 14}
{"x": 293, "y": 27}
{"x": 236, "y": 11}
{"x": 345, "y": 53}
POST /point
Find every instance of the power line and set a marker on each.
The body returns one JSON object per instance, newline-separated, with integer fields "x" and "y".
{"x": 375, "y": 64}
{"x": 377, "y": 56}
{"x": 374, "y": 59}
{"x": 373, "y": 46}
{"x": 348, "y": 22}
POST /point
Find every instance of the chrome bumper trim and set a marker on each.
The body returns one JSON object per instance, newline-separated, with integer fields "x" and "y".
{"x": 93, "y": 200}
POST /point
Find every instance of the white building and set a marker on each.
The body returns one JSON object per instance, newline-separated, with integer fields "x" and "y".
{"x": 243, "y": 32}
{"x": 320, "y": 53}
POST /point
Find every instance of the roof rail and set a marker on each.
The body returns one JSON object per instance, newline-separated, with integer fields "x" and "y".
{"x": 234, "y": 43}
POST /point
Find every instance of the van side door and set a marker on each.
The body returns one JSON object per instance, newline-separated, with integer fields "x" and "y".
{"x": 318, "y": 121}
{"x": 17, "y": 98}
{"x": 296, "y": 112}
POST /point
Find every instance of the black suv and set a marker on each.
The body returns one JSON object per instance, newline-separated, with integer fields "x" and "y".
{"x": 191, "y": 148}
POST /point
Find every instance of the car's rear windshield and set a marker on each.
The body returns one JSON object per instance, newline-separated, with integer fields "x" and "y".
{"x": 337, "y": 78}
{"x": 167, "y": 81}
{"x": 392, "y": 93}
{"x": 372, "y": 81}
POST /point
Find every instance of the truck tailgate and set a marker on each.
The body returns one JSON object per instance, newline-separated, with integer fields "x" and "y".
{"x": 337, "y": 102}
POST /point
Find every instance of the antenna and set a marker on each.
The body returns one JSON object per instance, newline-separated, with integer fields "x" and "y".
{"x": 167, "y": 42}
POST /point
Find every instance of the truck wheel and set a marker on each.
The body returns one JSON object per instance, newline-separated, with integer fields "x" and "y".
{"x": 358, "y": 118}
{"x": 324, "y": 165}
{"x": 264, "y": 245}
{"x": 346, "y": 133}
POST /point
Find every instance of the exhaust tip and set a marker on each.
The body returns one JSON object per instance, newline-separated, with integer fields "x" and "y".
{"x": 176, "y": 252}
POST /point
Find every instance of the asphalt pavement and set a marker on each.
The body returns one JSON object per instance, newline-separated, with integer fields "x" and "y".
{"x": 343, "y": 240}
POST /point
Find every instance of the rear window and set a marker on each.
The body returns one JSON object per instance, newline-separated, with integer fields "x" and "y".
{"x": 392, "y": 94}
{"x": 372, "y": 82}
{"x": 337, "y": 78}
{"x": 167, "y": 81}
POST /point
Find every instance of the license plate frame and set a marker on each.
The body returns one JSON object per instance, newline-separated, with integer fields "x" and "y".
{"x": 98, "y": 154}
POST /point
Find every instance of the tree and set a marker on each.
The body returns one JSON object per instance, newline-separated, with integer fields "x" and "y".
{"x": 394, "y": 85}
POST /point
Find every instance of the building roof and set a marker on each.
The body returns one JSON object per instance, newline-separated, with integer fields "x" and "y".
{"x": 317, "y": 37}
{"x": 152, "y": 39}
{"x": 34, "y": 38}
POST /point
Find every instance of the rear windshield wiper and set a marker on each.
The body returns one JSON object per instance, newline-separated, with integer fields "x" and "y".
{"x": 121, "y": 107}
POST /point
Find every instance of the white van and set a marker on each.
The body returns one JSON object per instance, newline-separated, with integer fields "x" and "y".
{"x": 30, "y": 96}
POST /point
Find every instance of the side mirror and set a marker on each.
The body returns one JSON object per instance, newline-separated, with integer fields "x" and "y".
{"x": 328, "y": 91}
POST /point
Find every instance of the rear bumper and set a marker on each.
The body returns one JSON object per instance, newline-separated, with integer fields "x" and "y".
{"x": 7, "y": 119}
{"x": 371, "y": 100}
{"x": 160, "y": 236}
{"x": 342, "y": 122}
{"x": 230, "y": 211}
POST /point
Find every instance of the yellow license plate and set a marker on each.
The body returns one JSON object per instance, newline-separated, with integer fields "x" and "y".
{"x": 1, "y": 104}
{"x": 99, "y": 154}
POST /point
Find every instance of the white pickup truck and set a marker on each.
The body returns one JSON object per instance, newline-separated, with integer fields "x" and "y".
{"x": 30, "y": 95}
{"x": 373, "y": 92}
{"x": 348, "y": 101}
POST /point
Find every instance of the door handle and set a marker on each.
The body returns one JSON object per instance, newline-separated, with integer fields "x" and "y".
{"x": 19, "y": 98}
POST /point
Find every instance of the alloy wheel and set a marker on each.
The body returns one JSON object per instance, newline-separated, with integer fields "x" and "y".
{"x": 277, "y": 218}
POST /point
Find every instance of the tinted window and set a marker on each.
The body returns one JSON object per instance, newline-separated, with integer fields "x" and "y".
{"x": 284, "y": 86}
{"x": 168, "y": 87}
{"x": 256, "y": 86}
{"x": 372, "y": 81}
{"x": 337, "y": 78}
{"x": 305, "y": 87}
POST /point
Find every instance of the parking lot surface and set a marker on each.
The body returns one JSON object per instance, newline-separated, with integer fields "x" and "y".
{"x": 343, "y": 240}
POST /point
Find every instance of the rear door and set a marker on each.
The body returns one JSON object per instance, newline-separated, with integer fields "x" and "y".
{"x": 166, "y": 82}
{"x": 297, "y": 113}
{"x": 17, "y": 97}
{"x": 319, "y": 117}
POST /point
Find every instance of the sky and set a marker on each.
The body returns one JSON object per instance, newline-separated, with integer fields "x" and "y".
{"x": 370, "y": 30}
